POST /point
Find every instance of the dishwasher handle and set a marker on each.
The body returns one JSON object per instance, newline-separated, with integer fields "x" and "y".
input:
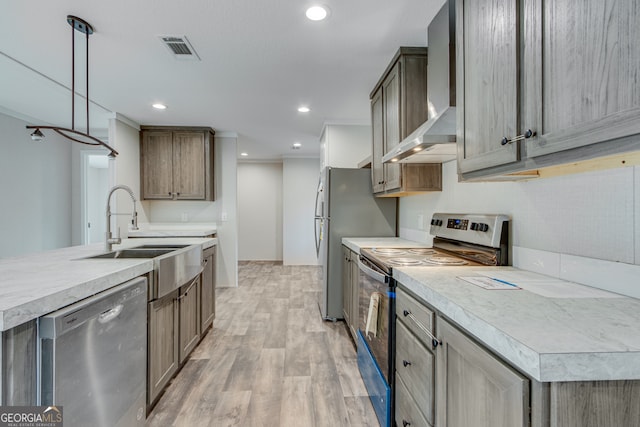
{"x": 109, "y": 315}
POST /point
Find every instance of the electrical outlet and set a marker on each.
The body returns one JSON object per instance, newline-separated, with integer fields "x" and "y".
{"x": 223, "y": 216}
{"x": 185, "y": 216}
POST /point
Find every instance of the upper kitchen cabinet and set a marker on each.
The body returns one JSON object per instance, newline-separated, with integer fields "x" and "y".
{"x": 545, "y": 84}
{"x": 487, "y": 71}
{"x": 398, "y": 106}
{"x": 177, "y": 163}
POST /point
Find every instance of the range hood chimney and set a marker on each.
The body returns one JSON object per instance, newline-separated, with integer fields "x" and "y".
{"x": 435, "y": 140}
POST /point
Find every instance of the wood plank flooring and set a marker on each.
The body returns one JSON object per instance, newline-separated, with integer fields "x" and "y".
{"x": 270, "y": 360}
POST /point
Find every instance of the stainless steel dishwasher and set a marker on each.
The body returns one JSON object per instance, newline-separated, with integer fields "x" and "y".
{"x": 93, "y": 358}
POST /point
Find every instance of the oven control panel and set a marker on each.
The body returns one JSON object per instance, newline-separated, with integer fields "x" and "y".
{"x": 482, "y": 229}
{"x": 458, "y": 224}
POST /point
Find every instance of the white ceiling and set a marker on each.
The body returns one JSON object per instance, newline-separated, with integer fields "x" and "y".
{"x": 260, "y": 60}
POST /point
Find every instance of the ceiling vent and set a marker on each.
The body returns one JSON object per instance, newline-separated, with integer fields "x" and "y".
{"x": 180, "y": 47}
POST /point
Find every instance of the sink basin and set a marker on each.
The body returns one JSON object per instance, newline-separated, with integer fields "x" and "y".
{"x": 173, "y": 265}
{"x": 134, "y": 253}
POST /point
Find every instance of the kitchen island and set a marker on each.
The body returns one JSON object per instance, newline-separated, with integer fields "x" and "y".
{"x": 34, "y": 285}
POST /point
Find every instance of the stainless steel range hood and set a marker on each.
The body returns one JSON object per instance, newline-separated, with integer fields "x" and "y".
{"x": 435, "y": 140}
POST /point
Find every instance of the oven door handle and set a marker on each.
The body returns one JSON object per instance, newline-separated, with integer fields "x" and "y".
{"x": 375, "y": 275}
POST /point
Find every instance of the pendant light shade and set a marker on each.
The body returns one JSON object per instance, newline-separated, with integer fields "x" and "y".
{"x": 82, "y": 26}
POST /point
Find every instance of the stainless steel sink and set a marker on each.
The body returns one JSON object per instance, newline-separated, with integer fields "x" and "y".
{"x": 173, "y": 265}
{"x": 133, "y": 253}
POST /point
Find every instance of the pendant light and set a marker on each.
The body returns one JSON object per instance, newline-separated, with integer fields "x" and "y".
{"x": 77, "y": 24}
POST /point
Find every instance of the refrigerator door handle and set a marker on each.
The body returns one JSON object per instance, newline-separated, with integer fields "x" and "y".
{"x": 318, "y": 237}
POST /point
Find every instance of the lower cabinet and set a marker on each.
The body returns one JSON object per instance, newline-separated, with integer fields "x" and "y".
{"x": 174, "y": 323}
{"x": 475, "y": 388}
{"x": 455, "y": 381}
{"x": 189, "y": 310}
{"x": 208, "y": 289}
{"x": 18, "y": 365}
{"x": 350, "y": 273}
{"x": 163, "y": 352}
{"x": 415, "y": 363}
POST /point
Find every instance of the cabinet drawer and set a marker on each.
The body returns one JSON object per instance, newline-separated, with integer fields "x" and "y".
{"x": 415, "y": 315}
{"x": 407, "y": 412}
{"x": 415, "y": 365}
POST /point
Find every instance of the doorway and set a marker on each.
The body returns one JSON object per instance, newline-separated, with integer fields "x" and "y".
{"x": 95, "y": 187}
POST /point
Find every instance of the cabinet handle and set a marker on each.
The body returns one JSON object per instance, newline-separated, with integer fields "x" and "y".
{"x": 406, "y": 363}
{"x": 528, "y": 134}
{"x": 405, "y": 423}
{"x": 434, "y": 341}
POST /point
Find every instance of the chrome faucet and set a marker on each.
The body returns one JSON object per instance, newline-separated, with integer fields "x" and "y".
{"x": 110, "y": 240}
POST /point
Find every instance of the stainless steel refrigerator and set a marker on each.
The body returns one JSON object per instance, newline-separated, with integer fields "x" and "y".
{"x": 346, "y": 207}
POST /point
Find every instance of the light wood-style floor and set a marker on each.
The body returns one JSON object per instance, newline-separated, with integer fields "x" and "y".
{"x": 269, "y": 361}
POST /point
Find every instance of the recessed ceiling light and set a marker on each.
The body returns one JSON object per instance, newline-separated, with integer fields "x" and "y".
{"x": 296, "y": 146}
{"x": 317, "y": 13}
{"x": 159, "y": 106}
{"x": 243, "y": 154}
{"x": 304, "y": 109}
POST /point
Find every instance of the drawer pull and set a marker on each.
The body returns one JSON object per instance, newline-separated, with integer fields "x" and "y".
{"x": 406, "y": 363}
{"x": 434, "y": 341}
{"x": 405, "y": 423}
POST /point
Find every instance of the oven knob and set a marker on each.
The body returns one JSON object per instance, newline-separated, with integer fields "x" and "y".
{"x": 483, "y": 227}
{"x": 474, "y": 226}
{"x": 436, "y": 222}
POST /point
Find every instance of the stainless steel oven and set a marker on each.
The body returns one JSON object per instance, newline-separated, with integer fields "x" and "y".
{"x": 459, "y": 240}
{"x": 376, "y": 335}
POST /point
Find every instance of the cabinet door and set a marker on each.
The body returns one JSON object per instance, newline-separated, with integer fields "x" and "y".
{"x": 346, "y": 285}
{"x": 189, "y": 306}
{"x": 474, "y": 388}
{"x": 487, "y": 101}
{"x": 163, "y": 344}
{"x": 156, "y": 158}
{"x": 377, "y": 124}
{"x": 392, "y": 131}
{"x": 208, "y": 291}
{"x": 189, "y": 165}
{"x": 582, "y": 64}
{"x": 355, "y": 278}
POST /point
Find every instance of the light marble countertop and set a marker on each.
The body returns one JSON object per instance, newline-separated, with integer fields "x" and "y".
{"x": 564, "y": 337}
{"x": 173, "y": 230}
{"x": 551, "y": 330}
{"x": 37, "y": 284}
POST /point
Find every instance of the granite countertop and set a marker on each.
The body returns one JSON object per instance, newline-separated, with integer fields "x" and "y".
{"x": 551, "y": 330}
{"x": 37, "y": 284}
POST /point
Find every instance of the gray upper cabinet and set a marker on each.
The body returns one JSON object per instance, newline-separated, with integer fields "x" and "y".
{"x": 378, "y": 168}
{"x": 487, "y": 95}
{"x": 398, "y": 107}
{"x": 177, "y": 163}
{"x": 567, "y": 72}
{"x": 582, "y": 69}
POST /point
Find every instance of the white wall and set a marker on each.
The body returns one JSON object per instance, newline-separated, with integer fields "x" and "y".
{"x": 299, "y": 184}
{"x": 35, "y": 183}
{"x": 344, "y": 146}
{"x": 594, "y": 215}
{"x": 124, "y": 137}
{"x": 260, "y": 211}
